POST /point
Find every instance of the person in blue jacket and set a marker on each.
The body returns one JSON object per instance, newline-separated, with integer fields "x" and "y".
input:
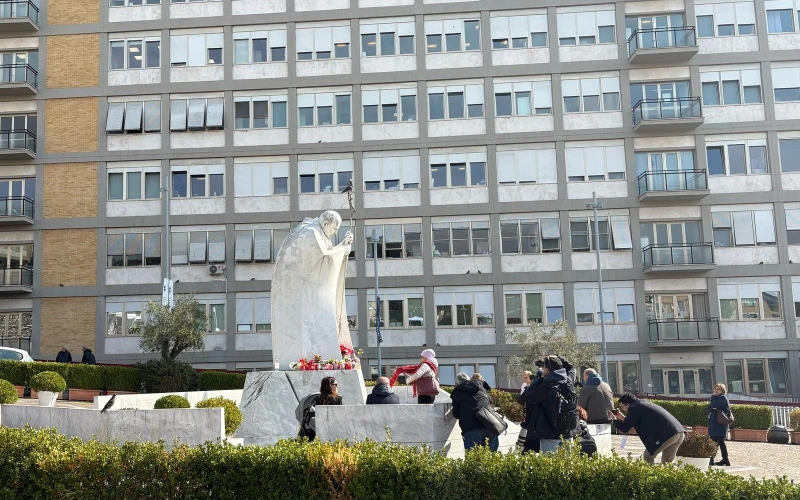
{"x": 716, "y": 431}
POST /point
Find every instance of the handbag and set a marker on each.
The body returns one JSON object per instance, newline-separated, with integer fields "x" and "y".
{"x": 725, "y": 418}
{"x": 427, "y": 386}
{"x": 492, "y": 421}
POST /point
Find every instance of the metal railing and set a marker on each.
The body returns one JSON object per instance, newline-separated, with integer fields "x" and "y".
{"x": 683, "y": 254}
{"x": 18, "y": 139}
{"x": 671, "y": 180}
{"x": 15, "y": 9}
{"x": 17, "y": 206}
{"x": 16, "y": 276}
{"x": 662, "y": 330}
{"x": 19, "y": 73}
{"x": 667, "y": 109}
{"x": 661, "y": 38}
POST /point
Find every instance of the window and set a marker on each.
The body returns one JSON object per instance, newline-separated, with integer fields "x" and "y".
{"x": 519, "y": 32}
{"x": 676, "y": 306}
{"x": 124, "y": 318}
{"x": 387, "y": 39}
{"x": 199, "y": 114}
{"x": 628, "y": 373}
{"x": 595, "y": 163}
{"x": 538, "y": 306}
{"x": 17, "y": 195}
{"x": 125, "y": 184}
{"x": 389, "y": 105}
{"x": 24, "y": 127}
{"x": 530, "y": 236}
{"x": 790, "y": 155}
{"x": 527, "y": 166}
{"x": 322, "y": 109}
{"x": 16, "y": 329}
{"x": 398, "y": 310}
{"x": 253, "y": 315}
{"x": 454, "y": 102}
{"x": 254, "y": 47}
{"x": 737, "y": 157}
{"x": 398, "y": 241}
{"x": 258, "y": 245}
{"x": 754, "y": 378}
{"x": 793, "y": 226}
{"x": 726, "y": 19}
{"x": 16, "y": 265}
{"x": 133, "y": 249}
{"x": 259, "y": 112}
{"x": 781, "y": 16}
{"x": 15, "y": 67}
{"x": 786, "y": 84}
{"x": 523, "y": 99}
{"x": 453, "y": 239}
{"x": 615, "y": 237}
{"x": 458, "y": 170}
{"x": 198, "y": 181}
{"x": 737, "y": 87}
{"x": 749, "y": 301}
{"x": 135, "y": 53}
{"x": 320, "y": 43}
{"x": 325, "y": 176}
{"x": 459, "y": 35}
{"x": 590, "y": 95}
{"x": 198, "y": 247}
{"x": 215, "y": 313}
{"x": 133, "y": 117}
{"x": 618, "y": 303}
{"x": 464, "y": 309}
{"x": 743, "y": 228}
{"x": 196, "y": 50}
{"x": 586, "y": 28}
{"x": 133, "y": 3}
{"x": 260, "y": 179}
{"x": 391, "y": 173}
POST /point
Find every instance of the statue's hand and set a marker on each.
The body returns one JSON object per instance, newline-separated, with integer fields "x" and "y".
{"x": 348, "y": 239}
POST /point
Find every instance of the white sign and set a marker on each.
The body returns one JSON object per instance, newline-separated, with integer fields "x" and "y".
{"x": 167, "y": 297}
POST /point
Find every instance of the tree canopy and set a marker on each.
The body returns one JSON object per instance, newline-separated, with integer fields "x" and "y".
{"x": 172, "y": 331}
{"x": 537, "y": 341}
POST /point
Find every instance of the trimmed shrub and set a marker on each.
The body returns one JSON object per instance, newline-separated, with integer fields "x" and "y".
{"x": 697, "y": 446}
{"x": 86, "y": 377}
{"x": 164, "y": 375}
{"x": 507, "y": 405}
{"x": 8, "y": 395}
{"x": 13, "y": 371}
{"x": 48, "y": 381}
{"x": 690, "y": 413}
{"x": 171, "y": 401}
{"x": 447, "y": 388}
{"x": 38, "y": 367}
{"x": 752, "y": 417}
{"x": 233, "y": 415}
{"x": 220, "y": 381}
{"x": 794, "y": 420}
{"x": 121, "y": 378}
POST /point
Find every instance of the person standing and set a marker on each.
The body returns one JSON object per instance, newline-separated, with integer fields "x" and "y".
{"x": 716, "y": 431}
{"x": 468, "y": 397}
{"x": 659, "y": 431}
{"x": 64, "y": 356}
{"x": 423, "y": 377}
{"x": 88, "y": 357}
{"x": 596, "y": 398}
{"x": 552, "y": 406}
{"x": 526, "y": 381}
{"x": 329, "y": 392}
{"x": 382, "y": 394}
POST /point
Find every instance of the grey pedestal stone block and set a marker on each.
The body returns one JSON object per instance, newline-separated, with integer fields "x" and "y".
{"x": 602, "y": 438}
{"x": 351, "y": 384}
{"x": 406, "y": 395}
{"x": 268, "y": 404}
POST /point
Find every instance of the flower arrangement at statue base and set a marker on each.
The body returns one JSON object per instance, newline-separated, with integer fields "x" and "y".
{"x": 349, "y": 361}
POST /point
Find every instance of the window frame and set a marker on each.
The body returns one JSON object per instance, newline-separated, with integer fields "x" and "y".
{"x": 123, "y": 312}
{"x": 335, "y": 188}
{"x": 274, "y": 247}
{"x": 431, "y": 30}
{"x": 612, "y": 84}
{"x": 254, "y": 325}
{"x": 539, "y": 235}
{"x": 212, "y": 41}
{"x": 471, "y": 239}
{"x": 143, "y": 234}
{"x": 143, "y": 118}
{"x": 334, "y": 109}
{"x": 406, "y": 244}
{"x": 385, "y": 324}
{"x": 303, "y": 31}
{"x": 448, "y": 166}
{"x": 738, "y": 11}
{"x": 188, "y": 234}
{"x": 126, "y": 51}
{"x": 726, "y": 76}
{"x": 532, "y": 88}
{"x": 744, "y": 368}
{"x": 732, "y": 228}
{"x": 540, "y": 163}
{"x": 612, "y": 243}
{"x": 400, "y": 92}
{"x": 271, "y": 175}
{"x": 726, "y": 162}
{"x": 523, "y": 300}
{"x": 368, "y": 27}
{"x": 562, "y": 20}
{"x": 532, "y": 21}
{"x": 740, "y": 298}
{"x": 454, "y": 310}
{"x": 252, "y": 100}
{"x": 446, "y": 91}
{"x": 409, "y": 170}
{"x": 612, "y": 290}
{"x": 270, "y": 34}
{"x": 125, "y": 172}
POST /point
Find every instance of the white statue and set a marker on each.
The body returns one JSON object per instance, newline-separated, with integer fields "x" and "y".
{"x": 309, "y": 313}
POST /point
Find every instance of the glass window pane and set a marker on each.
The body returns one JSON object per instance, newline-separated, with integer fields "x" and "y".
{"x": 152, "y": 185}
{"x": 416, "y": 312}
{"x": 387, "y": 44}
{"x": 705, "y": 26}
{"x": 409, "y": 108}
{"x": 777, "y": 376}
{"x": 730, "y": 92}
{"x": 444, "y": 316}
{"x": 115, "y": 186}
{"x": 734, "y": 377}
{"x": 790, "y": 155}
{"x": 710, "y": 93}
{"x": 343, "y": 110}
{"x": 434, "y": 43}
{"x": 502, "y": 104}
{"x": 455, "y": 105}
{"x": 134, "y": 185}
{"x": 436, "y": 106}
{"x": 369, "y": 45}
{"x": 716, "y": 160}
{"x": 407, "y": 45}
{"x": 756, "y": 376}
{"x": 737, "y": 159}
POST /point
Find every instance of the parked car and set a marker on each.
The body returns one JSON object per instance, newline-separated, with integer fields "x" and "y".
{"x": 15, "y": 354}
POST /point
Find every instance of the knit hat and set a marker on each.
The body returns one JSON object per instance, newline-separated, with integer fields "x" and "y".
{"x": 428, "y": 354}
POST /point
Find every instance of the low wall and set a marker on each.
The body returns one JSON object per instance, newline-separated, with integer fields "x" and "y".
{"x": 602, "y": 438}
{"x": 147, "y": 401}
{"x": 406, "y": 395}
{"x": 192, "y": 426}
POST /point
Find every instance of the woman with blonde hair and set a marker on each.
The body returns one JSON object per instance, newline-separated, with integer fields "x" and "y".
{"x": 717, "y": 431}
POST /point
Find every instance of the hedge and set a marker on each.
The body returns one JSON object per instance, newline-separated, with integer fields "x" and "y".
{"x": 220, "y": 381}
{"x": 171, "y": 401}
{"x": 44, "y": 464}
{"x": 8, "y": 395}
{"x": 86, "y": 377}
{"x": 14, "y": 372}
{"x": 37, "y": 367}
{"x": 693, "y": 413}
{"x": 122, "y": 378}
{"x": 752, "y": 417}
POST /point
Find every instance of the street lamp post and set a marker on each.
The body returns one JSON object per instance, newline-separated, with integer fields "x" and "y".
{"x": 594, "y": 205}
{"x": 375, "y": 239}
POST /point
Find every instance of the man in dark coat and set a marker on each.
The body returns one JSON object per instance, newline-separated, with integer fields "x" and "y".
{"x": 382, "y": 394}
{"x": 559, "y": 373}
{"x": 659, "y": 431}
{"x": 468, "y": 397}
{"x": 88, "y": 357}
{"x": 64, "y": 356}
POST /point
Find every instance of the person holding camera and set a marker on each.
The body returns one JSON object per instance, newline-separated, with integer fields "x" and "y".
{"x": 530, "y": 384}
{"x": 553, "y": 405}
{"x": 659, "y": 431}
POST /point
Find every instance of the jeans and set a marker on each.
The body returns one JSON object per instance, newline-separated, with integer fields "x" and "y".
{"x": 720, "y": 440}
{"x": 668, "y": 449}
{"x": 425, "y": 400}
{"x": 478, "y": 437}
{"x": 550, "y": 445}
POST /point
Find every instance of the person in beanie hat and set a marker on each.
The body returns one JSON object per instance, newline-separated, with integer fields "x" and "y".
{"x": 422, "y": 377}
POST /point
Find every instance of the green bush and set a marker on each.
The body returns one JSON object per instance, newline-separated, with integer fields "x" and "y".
{"x": 48, "y": 381}
{"x": 220, "y": 381}
{"x": 697, "y": 445}
{"x": 166, "y": 375}
{"x": 233, "y": 415}
{"x": 507, "y": 405}
{"x": 171, "y": 401}
{"x": 752, "y": 417}
{"x": 690, "y": 413}
{"x": 8, "y": 395}
{"x": 39, "y": 367}
{"x": 121, "y": 378}
{"x": 86, "y": 377}
{"x": 14, "y": 371}
{"x": 44, "y": 464}
{"x": 794, "y": 420}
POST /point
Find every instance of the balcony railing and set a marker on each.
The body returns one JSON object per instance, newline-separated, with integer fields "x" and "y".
{"x": 18, "y": 139}
{"x": 17, "y": 9}
{"x": 662, "y": 38}
{"x": 19, "y": 73}
{"x": 671, "y": 180}
{"x": 686, "y": 254}
{"x": 16, "y": 276}
{"x": 17, "y": 206}
{"x": 667, "y": 109}
{"x": 680, "y": 329}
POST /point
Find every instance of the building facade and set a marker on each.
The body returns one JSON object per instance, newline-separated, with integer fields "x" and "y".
{"x": 475, "y": 133}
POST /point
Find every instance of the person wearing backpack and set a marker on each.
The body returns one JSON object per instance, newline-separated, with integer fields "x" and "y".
{"x": 553, "y": 405}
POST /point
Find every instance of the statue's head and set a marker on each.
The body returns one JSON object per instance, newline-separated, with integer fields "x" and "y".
{"x": 330, "y": 222}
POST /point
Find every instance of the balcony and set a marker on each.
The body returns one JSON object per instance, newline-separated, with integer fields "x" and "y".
{"x": 18, "y": 79}
{"x": 16, "y": 280}
{"x": 662, "y": 45}
{"x": 673, "y": 185}
{"x": 667, "y": 115}
{"x": 17, "y": 145}
{"x": 18, "y": 16}
{"x": 682, "y": 332}
{"x": 16, "y": 210}
{"x": 678, "y": 258}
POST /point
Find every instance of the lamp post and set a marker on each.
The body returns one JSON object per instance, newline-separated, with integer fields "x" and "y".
{"x": 375, "y": 239}
{"x": 594, "y": 205}
{"x": 167, "y": 291}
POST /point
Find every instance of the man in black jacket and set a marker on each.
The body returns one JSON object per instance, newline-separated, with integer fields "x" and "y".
{"x": 468, "y": 397}
{"x": 382, "y": 394}
{"x": 659, "y": 431}
{"x": 560, "y": 374}
{"x": 64, "y": 356}
{"x": 88, "y": 357}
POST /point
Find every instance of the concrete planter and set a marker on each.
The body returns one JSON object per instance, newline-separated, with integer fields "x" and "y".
{"x": 35, "y": 394}
{"x": 700, "y": 430}
{"x": 83, "y": 394}
{"x": 751, "y": 435}
{"x": 700, "y": 463}
{"x": 795, "y": 437}
{"x": 47, "y": 398}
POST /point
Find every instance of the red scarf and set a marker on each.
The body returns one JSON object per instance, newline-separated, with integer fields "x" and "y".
{"x": 410, "y": 370}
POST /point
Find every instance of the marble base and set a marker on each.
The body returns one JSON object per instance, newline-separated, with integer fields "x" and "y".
{"x": 147, "y": 401}
{"x": 602, "y": 438}
{"x": 406, "y": 395}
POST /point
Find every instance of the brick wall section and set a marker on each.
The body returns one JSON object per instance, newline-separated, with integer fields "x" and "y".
{"x": 69, "y": 257}
{"x": 73, "y": 60}
{"x": 67, "y": 321}
{"x": 70, "y": 190}
{"x": 73, "y": 11}
{"x": 70, "y": 125}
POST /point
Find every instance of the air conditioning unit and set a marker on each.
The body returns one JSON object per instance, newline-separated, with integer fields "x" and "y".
{"x": 216, "y": 269}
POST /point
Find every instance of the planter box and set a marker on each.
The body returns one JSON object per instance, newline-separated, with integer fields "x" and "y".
{"x": 700, "y": 430}
{"x": 795, "y": 437}
{"x": 35, "y": 395}
{"x": 48, "y": 399}
{"x": 749, "y": 435}
{"x": 20, "y": 390}
{"x": 700, "y": 463}
{"x": 83, "y": 394}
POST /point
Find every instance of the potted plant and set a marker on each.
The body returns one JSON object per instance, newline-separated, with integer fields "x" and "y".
{"x": 794, "y": 424}
{"x": 48, "y": 386}
{"x": 697, "y": 450}
{"x": 84, "y": 382}
{"x": 752, "y": 422}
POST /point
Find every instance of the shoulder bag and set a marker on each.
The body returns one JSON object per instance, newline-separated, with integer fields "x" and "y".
{"x": 492, "y": 421}
{"x": 725, "y": 418}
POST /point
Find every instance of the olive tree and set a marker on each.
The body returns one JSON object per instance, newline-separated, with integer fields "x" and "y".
{"x": 170, "y": 331}
{"x": 538, "y": 341}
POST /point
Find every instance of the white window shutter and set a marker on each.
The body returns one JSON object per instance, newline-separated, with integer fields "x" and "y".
{"x": 326, "y": 166}
{"x": 709, "y": 76}
{"x": 241, "y": 180}
{"x": 590, "y": 86}
{"x": 324, "y": 99}
{"x": 178, "y": 50}
{"x": 706, "y": 9}
{"x": 584, "y": 300}
{"x": 307, "y": 167}
{"x": 567, "y": 27}
{"x": 372, "y": 169}
{"x": 519, "y": 27}
{"x": 133, "y": 115}
{"x": 443, "y": 298}
{"x": 621, "y": 231}
{"x": 727, "y": 291}
{"x": 523, "y": 87}
{"x": 484, "y": 303}
{"x": 370, "y": 97}
{"x": 574, "y": 161}
{"x": 389, "y": 96}
{"x": 526, "y": 163}
{"x": 391, "y": 168}
{"x": 262, "y": 181}
{"x": 215, "y": 40}
{"x": 368, "y": 29}
{"x": 280, "y": 169}
{"x": 405, "y": 29}
{"x": 305, "y": 40}
{"x": 244, "y": 307}
{"x": 197, "y": 51}
{"x": 605, "y": 18}
{"x": 341, "y": 34}
{"x": 554, "y": 298}
{"x": 610, "y": 84}
{"x": 502, "y": 88}
{"x": 785, "y": 78}
{"x": 615, "y": 158}
{"x": 506, "y": 170}
{"x": 263, "y": 310}
{"x": 745, "y": 12}
{"x": 474, "y": 94}
{"x": 410, "y": 166}
{"x": 570, "y": 88}
{"x": 453, "y": 26}
{"x": 323, "y": 40}
{"x": 751, "y": 77}
{"x": 116, "y": 112}
{"x": 724, "y": 14}
{"x": 433, "y": 28}
{"x": 594, "y": 159}
{"x": 500, "y": 28}
{"x": 538, "y": 23}
{"x": 587, "y": 24}
{"x": 542, "y": 95}
{"x": 277, "y": 38}
{"x": 546, "y": 165}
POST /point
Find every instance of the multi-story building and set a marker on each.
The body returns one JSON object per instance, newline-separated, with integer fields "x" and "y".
{"x": 475, "y": 133}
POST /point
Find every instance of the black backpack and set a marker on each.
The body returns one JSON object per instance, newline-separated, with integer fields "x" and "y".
{"x": 563, "y": 408}
{"x": 586, "y": 441}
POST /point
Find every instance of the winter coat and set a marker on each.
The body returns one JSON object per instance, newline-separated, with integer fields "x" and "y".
{"x": 597, "y": 399}
{"x": 718, "y": 402}
{"x": 468, "y": 398}
{"x": 64, "y": 357}
{"x": 337, "y": 401}
{"x": 88, "y": 357}
{"x": 537, "y": 405}
{"x": 383, "y": 395}
{"x": 521, "y": 400}
{"x": 653, "y": 424}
